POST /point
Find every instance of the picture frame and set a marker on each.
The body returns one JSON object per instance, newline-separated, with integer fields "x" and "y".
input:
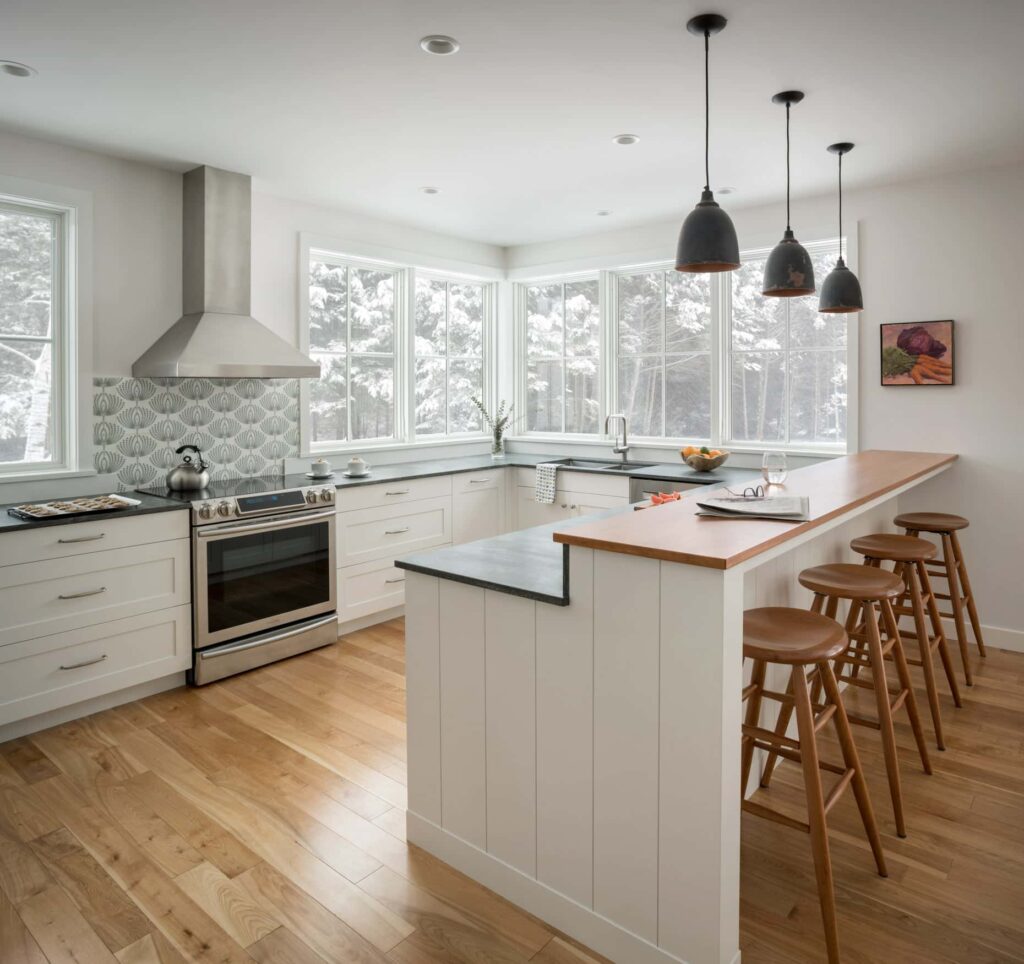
{"x": 917, "y": 353}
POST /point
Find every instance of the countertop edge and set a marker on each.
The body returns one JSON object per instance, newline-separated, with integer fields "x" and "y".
{"x": 10, "y": 523}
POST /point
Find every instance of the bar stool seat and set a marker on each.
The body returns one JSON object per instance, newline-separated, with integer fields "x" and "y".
{"x": 806, "y": 642}
{"x": 894, "y": 548}
{"x": 931, "y": 521}
{"x": 847, "y": 581}
{"x": 777, "y": 634}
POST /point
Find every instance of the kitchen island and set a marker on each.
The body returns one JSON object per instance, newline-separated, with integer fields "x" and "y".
{"x": 580, "y": 753}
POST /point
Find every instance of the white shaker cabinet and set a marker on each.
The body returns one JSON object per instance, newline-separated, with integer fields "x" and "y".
{"x": 478, "y": 505}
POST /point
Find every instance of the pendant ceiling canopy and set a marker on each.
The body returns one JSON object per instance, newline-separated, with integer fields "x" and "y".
{"x": 707, "y": 241}
{"x": 840, "y": 293}
{"x": 788, "y": 273}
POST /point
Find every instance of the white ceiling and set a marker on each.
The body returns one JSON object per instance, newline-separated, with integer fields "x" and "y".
{"x": 332, "y": 101}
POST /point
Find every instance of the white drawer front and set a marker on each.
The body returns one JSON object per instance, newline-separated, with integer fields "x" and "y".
{"x": 392, "y": 493}
{"x": 96, "y": 535}
{"x": 369, "y": 588}
{"x": 393, "y": 531}
{"x": 40, "y": 598}
{"x": 477, "y": 481}
{"x": 590, "y": 482}
{"x": 60, "y": 670}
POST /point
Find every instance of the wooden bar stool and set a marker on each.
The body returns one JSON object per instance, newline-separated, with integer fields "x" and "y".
{"x": 909, "y": 556}
{"x": 953, "y": 569}
{"x": 866, "y": 587}
{"x": 806, "y": 642}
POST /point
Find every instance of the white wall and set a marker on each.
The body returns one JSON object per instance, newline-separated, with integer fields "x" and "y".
{"x": 942, "y": 248}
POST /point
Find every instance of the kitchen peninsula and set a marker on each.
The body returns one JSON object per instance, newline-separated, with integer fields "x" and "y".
{"x": 579, "y": 752}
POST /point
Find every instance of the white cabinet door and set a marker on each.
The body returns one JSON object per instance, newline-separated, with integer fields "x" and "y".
{"x": 530, "y": 512}
{"x": 583, "y": 503}
{"x": 478, "y": 506}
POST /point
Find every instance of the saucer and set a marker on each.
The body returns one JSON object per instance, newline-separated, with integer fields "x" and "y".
{"x": 356, "y": 475}
{"x": 310, "y": 475}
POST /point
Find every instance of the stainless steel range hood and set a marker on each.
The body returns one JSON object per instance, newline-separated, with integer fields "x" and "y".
{"x": 217, "y": 337}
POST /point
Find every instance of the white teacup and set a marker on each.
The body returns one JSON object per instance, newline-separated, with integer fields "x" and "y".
{"x": 356, "y": 466}
{"x": 321, "y": 468}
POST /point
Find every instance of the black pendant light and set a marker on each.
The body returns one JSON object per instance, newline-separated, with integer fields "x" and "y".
{"x": 840, "y": 293}
{"x": 707, "y": 241}
{"x": 788, "y": 271}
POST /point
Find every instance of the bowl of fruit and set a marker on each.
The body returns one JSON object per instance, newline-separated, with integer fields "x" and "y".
{"x": 702, "y": 459}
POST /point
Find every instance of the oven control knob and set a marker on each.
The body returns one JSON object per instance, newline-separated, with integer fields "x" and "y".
{"x": 327, "y": 495}
{"x": 205, "y": 511}
{"x": 225, "y": 509}
{"x": 311, "y": 496}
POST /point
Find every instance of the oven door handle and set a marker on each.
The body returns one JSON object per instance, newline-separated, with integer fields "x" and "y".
{"x": 240, "y": 528}
{"x": 267, "y": 638}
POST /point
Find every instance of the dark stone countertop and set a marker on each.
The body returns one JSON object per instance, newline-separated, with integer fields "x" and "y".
{"x": 149, "y": 504}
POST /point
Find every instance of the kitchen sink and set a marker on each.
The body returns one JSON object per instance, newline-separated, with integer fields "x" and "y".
{"x": 596, "y": 465}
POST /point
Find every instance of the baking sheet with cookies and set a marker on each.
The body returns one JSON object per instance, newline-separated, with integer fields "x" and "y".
{"x": 85, "y": 505}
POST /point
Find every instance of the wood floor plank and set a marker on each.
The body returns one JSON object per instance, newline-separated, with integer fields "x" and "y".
{"x": 17, "y": 945}
{"x": 283, "y": 947}
{"x": 561, "y": 951}
{"x": 22, "y": 816}
{"x": 27, "y": 760}
{"x": 106, "y": 907}
{"x": 154, "y": 948}
{"x": 62, "y": 933}
{"x": 228, "y": 903}
{"x": 22, "y": 874}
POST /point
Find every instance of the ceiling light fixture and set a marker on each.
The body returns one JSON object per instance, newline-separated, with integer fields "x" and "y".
{"x": 13, "y": 69}
{"x": 707, "y": 241}
{"x": 840, "y": 292}
{"x": 439, "y": 44}
{"x": 788, "y": 272}
{"x": 626, "y": 139}
{"x": 430, "y": 190}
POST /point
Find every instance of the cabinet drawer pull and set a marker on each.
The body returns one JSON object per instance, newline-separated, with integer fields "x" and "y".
{"x": 479, "y": 481}
{"x": 397, "y": 492}
{"x": 82, "y": 595}
{"x": 396, "y": 532}
{"x": 68, "y": 542}
{"x": 399, "y": 579}
{"x": 88, "y": 662}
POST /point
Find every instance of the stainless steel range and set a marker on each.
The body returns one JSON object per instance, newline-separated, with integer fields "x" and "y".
{"x": 263, "y": 574}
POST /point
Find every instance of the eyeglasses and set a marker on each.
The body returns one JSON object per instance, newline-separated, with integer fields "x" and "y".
{"x": 750, "y": 492}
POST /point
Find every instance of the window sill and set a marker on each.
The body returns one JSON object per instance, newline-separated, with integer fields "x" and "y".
{"x": 40, "y": 475}
{"x": 637, "y": 442}
{"x": 390, "y": 446}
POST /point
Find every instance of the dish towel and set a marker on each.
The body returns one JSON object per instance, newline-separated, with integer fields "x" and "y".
{"x": 544, "y": 488}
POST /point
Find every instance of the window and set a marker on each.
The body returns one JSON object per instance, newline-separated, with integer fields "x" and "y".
{"x": 663, "y": 345}
{"x": 562, "y": 340}
{"x": 686, "y": 357}
{"x": 353, "y": 333}
{"x": 787, "y": 363}
{"x": 34, "y": 385}
{"x": 448, "y": 348}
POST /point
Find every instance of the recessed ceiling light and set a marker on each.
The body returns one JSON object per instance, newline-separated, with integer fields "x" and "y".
{"x": 625, "y": 139}
{"x": 727, "y": 190}
{"x": 13, "y": 69}
{"x": 603, "y": 214}
{"x": 430, "y": 190}
{"x": 438, "y": 43}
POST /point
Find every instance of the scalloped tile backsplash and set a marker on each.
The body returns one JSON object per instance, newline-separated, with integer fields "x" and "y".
{"x": 244, "y": 426}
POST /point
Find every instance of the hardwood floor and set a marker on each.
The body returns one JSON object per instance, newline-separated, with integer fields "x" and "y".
{"x": 262, "y": 819}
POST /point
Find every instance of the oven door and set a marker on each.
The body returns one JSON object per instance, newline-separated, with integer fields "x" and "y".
{"x": 253, "y": 576}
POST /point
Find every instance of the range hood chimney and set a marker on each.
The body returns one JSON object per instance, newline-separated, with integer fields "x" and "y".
{"x": 216, "y": 337}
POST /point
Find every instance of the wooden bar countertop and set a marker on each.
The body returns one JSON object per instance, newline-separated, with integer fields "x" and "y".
{"x": 675, "y": 533}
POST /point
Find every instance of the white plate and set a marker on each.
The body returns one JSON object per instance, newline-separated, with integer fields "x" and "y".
{"x": 310, "y": 475}
{"x": 356, "y": 475}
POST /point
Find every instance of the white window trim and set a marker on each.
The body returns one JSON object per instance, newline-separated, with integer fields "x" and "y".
{"x": 409, "y": 266}
{"x": 720, "y": 294}
{"x": 72, "y": 375}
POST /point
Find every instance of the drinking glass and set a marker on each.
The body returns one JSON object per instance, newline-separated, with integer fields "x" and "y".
{"x": 773, "y": 468}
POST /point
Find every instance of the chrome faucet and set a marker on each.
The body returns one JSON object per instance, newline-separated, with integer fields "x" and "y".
{"x": 618, "y": 449}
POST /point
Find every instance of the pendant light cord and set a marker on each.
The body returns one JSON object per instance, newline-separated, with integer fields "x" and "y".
{"x": 840, "y": 205}
{"x": 707, "y": 112}
{"x": 788, "y": 226}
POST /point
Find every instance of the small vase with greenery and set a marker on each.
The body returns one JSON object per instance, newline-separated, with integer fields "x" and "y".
{"x": 499, "y": 424}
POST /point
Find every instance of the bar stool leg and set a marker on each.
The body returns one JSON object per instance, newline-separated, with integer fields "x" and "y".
{"x": 816, "y": 810}
{"x": 949, "y": 561}
{"x": 965, "y": 581}
{"x": 852, "y": 760}
{"x": 753, "y": 717}
{"x": 940, "y": 635}
{"x": 903, "y": 674}
{"x": 884, "y": 707}
{"x": 909, "y": 574}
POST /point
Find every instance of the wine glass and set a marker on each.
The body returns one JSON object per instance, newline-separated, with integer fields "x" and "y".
{"x": 773, "y": 468}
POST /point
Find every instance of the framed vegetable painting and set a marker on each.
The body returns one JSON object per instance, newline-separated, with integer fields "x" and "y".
{"x": 917, "y": 353}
